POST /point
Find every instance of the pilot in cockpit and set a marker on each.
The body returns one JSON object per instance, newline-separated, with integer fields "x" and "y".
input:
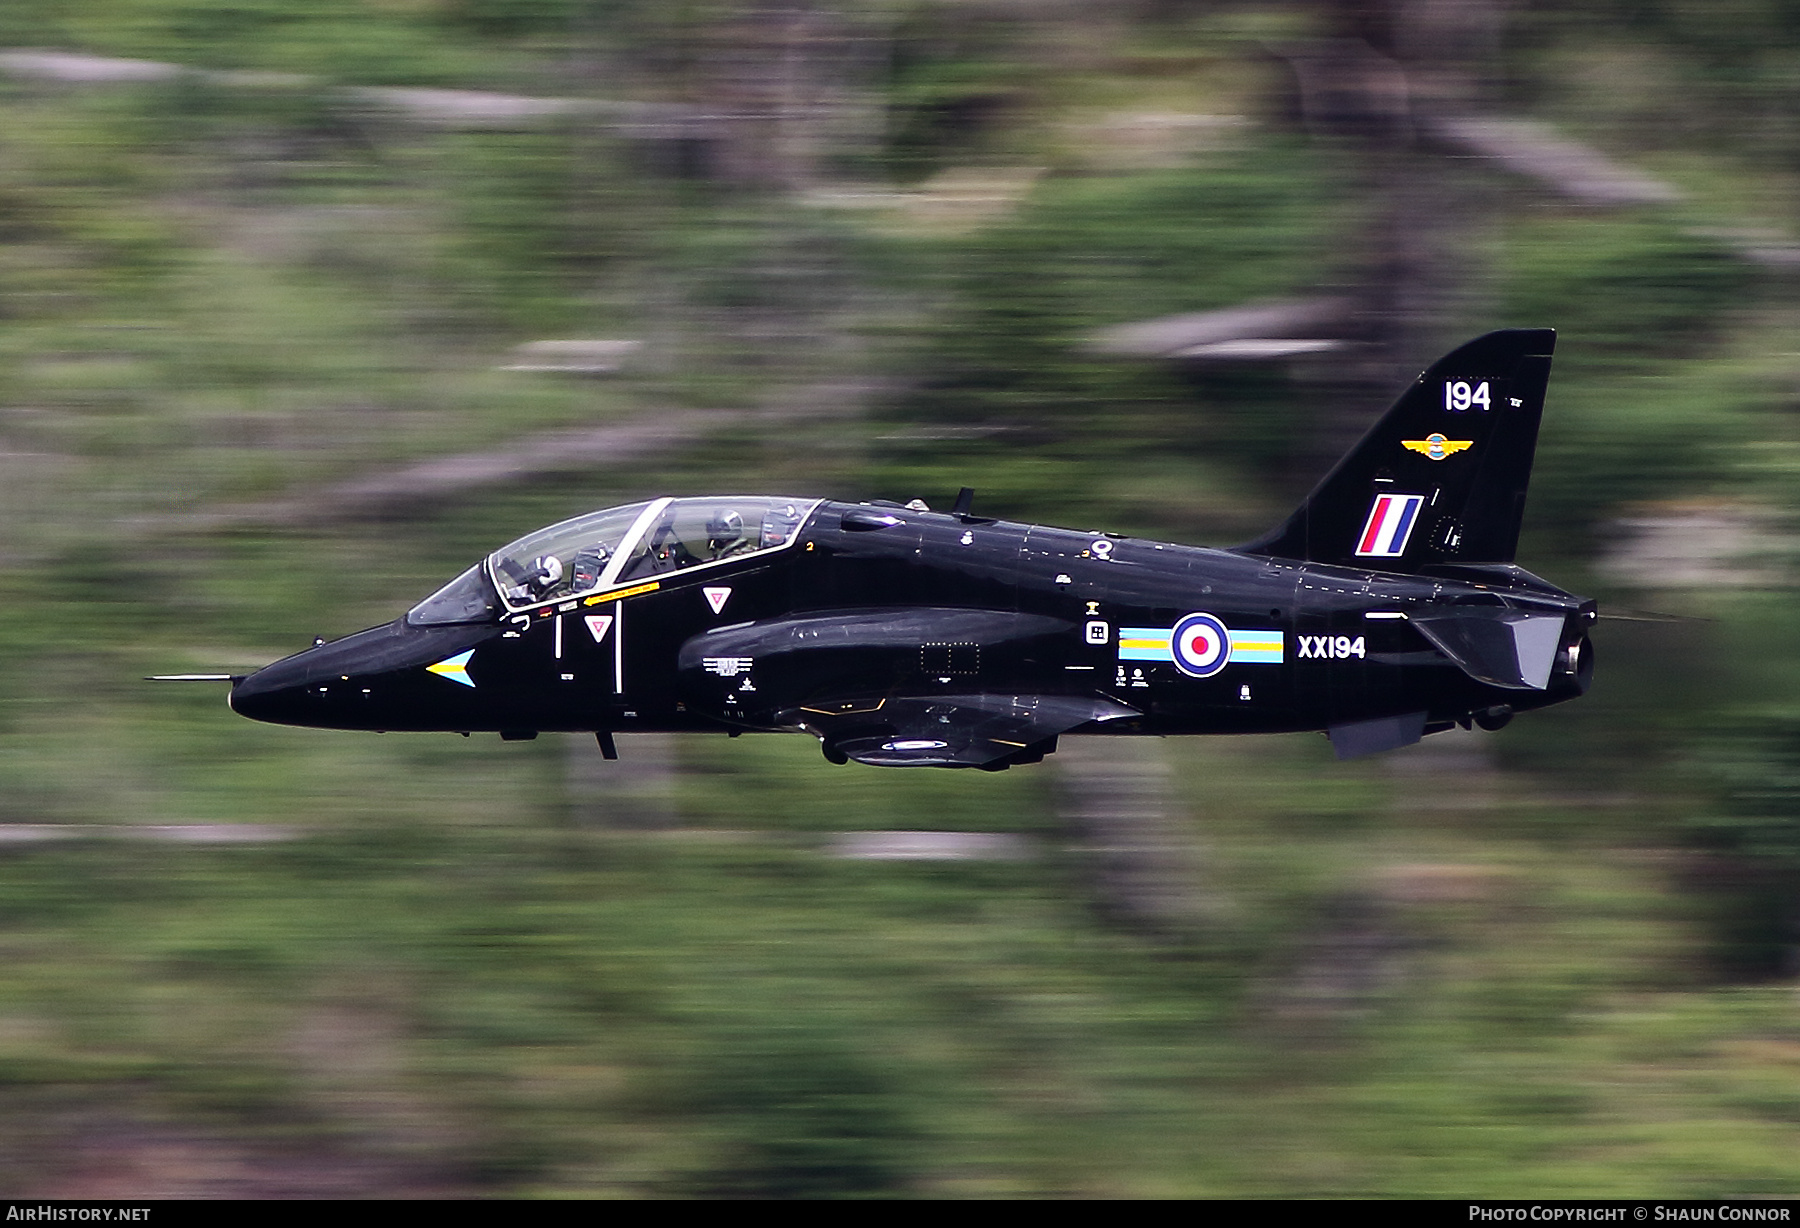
{"x": 545, "y": 574}
{"x": 725, "y": 535}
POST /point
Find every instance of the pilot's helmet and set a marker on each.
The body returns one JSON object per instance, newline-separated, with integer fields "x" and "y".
{"x": 546, "y": 570}
{"x": 724, "y": 529}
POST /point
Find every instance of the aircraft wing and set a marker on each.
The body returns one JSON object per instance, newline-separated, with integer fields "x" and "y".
{"x": 976, "y": 730}
{"x": 895, "y": 687}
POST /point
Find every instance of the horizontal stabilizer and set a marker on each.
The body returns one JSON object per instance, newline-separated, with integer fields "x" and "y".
{"x": 1502, "y": 647}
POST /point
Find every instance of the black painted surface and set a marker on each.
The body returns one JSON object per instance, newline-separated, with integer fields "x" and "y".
{"x": 899, "y": 636}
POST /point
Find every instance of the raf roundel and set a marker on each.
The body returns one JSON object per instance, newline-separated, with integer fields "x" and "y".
{"x": 1201, "y": 644}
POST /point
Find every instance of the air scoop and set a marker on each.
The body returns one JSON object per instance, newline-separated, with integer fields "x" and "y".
{"x": 1504, "y": 647}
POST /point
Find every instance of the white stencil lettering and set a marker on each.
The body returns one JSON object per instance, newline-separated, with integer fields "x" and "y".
{"x": 1332, "y": 647}
{"x": 1460, "y": 396}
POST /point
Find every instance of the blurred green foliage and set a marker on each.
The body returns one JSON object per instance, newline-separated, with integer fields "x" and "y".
{"x": 1087, "y": 252}
{"x": 345, "y": 40}
{"x": 952, "y": 78}
{"x": 1538, "y": 974}
{"x": 1028, "y": 297}
{"x": 1722, "y": 72}
{"x": 1635, "y": 291}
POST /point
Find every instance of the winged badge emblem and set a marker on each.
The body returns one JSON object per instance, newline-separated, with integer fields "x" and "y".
{"x": 1436, "y": 447}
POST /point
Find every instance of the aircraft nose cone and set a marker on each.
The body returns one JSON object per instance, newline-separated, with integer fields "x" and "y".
{"x": 265, "y": 696}
{"x": 295, "y": 690}
{"x": 323, "y": 685}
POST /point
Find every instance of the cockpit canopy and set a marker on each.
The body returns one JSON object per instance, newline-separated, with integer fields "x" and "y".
{"x": 615, "y": 546}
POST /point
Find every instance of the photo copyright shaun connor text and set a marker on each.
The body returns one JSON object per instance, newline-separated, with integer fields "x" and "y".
{"x": 1636, "y": 1213}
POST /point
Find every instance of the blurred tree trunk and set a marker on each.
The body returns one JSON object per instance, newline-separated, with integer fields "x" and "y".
{"x": 778, "y": 81}
{"x": 1416, "y": 268}
{"x": 1118, "y": 803}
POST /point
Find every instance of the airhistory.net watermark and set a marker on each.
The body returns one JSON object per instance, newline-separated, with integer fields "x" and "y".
{"x": 48, "y": 1213}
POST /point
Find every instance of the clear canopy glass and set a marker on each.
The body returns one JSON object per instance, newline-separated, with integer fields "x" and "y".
{"x": 614, "y": 546}
{"x": 693, "y": 532}
{"x": 563, "y": 560}
{"x": 467, "y": 599}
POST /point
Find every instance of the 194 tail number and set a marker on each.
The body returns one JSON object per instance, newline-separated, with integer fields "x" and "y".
{"x": 1460, "y": 396}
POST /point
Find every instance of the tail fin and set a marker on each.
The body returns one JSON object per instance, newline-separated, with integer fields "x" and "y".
{"x": 1441, "y": 477}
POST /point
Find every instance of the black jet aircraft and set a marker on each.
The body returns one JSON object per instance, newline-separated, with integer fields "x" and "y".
{"x": 1388, "y": 606}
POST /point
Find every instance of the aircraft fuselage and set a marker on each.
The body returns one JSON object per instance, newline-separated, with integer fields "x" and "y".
{"x": 869, "y": 603}
{"x": 1385, "y": 607}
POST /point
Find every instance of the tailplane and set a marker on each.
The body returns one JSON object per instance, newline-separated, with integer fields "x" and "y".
{"x": 1441, "y": 478}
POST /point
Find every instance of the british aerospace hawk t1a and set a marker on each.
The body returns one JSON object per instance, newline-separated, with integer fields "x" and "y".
{"x": 1387, "y": 607}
